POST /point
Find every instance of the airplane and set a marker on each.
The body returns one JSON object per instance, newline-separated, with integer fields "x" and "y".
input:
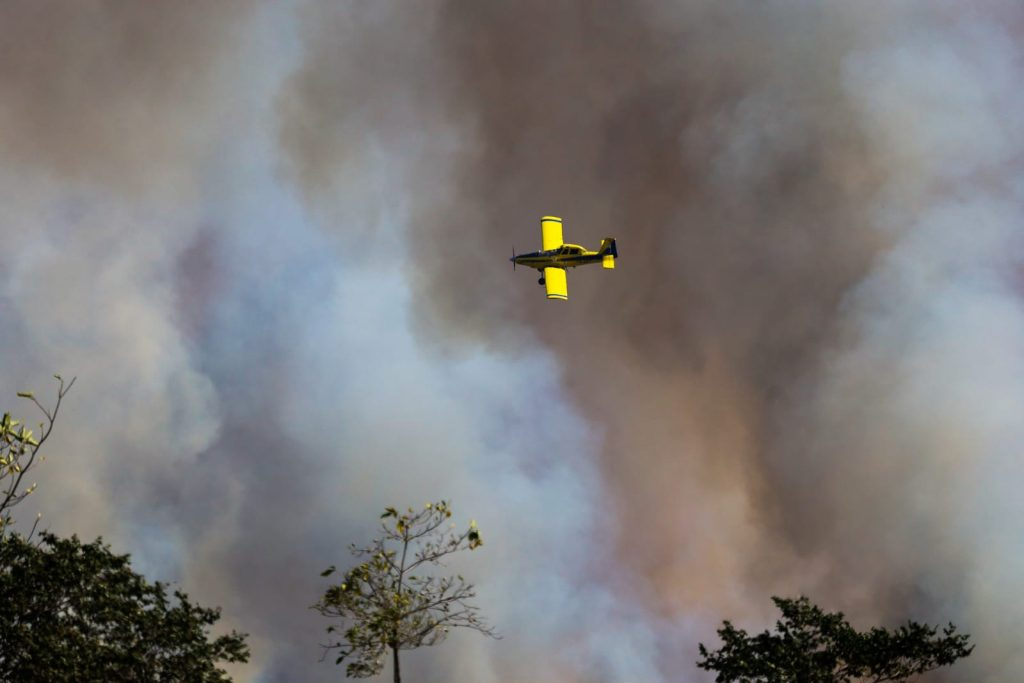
{"x": 556, "y": 256}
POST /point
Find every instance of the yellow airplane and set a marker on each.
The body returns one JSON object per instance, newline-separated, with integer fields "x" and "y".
{"x": 556, "y": 256}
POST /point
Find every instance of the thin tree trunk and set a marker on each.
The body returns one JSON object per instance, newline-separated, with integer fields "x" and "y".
{"x": 394, "y": 658}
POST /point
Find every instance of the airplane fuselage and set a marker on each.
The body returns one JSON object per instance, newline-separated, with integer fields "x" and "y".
{"x": 566, "y": 256}
{"x": 556, "y": 257}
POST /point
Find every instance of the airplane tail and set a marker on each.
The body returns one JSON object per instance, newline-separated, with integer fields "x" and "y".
{"x": 608, "y": 252}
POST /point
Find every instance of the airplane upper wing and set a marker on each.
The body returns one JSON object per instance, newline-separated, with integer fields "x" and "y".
{"x": 550, "y": 232}
{"x": 555, "y": 282}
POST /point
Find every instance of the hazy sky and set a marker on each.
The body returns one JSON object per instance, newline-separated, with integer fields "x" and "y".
{"x": 271, "y": 241}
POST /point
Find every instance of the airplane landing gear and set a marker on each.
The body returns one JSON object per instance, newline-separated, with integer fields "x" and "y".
{"x": 540, "y": 281}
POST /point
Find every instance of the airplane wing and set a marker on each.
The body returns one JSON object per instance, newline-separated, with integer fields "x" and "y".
{"x": 550, "y": 232}
{"x": 555, "y": 282}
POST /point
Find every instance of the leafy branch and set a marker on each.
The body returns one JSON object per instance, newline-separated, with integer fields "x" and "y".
{"x": 810, "y": 644}
{"x": 393, "y": 599}
{"x": 19, "y": 449}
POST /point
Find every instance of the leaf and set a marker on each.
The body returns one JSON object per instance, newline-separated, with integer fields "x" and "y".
{"x": 26, "y": 394}
{"x": 381, "y": 609}
{"x": 330, "y": 570}
{"x": 120, "y": 619}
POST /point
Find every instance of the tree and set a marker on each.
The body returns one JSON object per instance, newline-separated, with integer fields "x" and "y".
{"x": 75, "y": 612}
{"x": 393, "y": 599}
{"x": 19, "y": 447}
{"x": 813, "y": 646}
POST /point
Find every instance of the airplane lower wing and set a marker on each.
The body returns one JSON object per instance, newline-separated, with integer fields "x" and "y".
{"x": 556, "y": 284}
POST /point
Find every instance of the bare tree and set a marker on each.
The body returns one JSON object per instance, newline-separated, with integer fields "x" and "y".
{"x": 394, "y": 598}
{"x": 19, "y": 449}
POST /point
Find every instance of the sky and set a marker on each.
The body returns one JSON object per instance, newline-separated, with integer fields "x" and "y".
{"x": 271, "y": 242}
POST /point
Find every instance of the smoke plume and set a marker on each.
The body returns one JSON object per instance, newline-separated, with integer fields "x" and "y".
{"x": 271, "y": 242}
{"x": 804, "y": 368}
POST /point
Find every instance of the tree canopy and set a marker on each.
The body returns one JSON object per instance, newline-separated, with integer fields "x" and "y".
{"x": 394, "y": 598}
{"x": 813, "y": 646}
{"x": 77, "y": 612}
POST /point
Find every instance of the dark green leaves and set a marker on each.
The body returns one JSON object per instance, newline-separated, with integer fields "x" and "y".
{"x": 74, "y": 612}
{"x": 814, "y": 646}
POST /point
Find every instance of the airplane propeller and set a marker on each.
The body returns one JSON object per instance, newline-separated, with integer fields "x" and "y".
{"x": 513, "y": 259}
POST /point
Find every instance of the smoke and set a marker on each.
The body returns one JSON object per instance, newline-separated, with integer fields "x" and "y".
{"x": 805, "y": 364}
{"x": 250, "y": 393}
{"x": 270, "y": 243}
{"x": 104, "y": 112}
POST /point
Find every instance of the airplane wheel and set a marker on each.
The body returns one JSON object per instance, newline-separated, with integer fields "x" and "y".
{"x": 540, "y": 281}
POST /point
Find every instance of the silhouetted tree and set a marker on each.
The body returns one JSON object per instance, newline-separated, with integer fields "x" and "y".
{"x": 74, "y": 612}
{"x": 813, "y": 646}
{"x": 394, "y": 599}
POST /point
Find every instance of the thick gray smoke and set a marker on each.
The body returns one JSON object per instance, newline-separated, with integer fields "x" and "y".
{"x": 250, "y": 391}
{"x": 271, "y": 242}
{"x": 805, "y": 365}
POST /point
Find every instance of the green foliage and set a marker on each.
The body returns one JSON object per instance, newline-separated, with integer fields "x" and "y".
{"x": 813, "y": 646}
{"x": 19, "y": 448}
{"x": 74, "y": 612}
{"x": 393, "y": 599}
